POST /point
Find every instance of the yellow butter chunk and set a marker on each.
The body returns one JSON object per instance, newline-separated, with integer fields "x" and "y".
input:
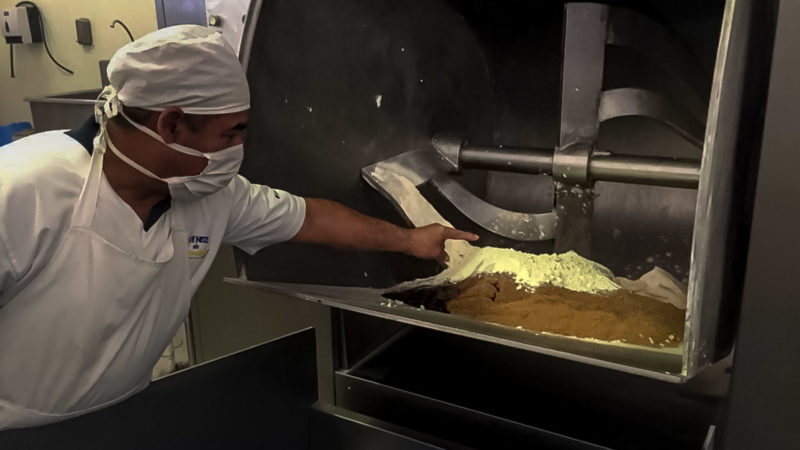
{"x": 568, "y": 270}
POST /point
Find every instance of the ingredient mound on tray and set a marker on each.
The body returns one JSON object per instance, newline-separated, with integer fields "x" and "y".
{"x": 563, "y": 294}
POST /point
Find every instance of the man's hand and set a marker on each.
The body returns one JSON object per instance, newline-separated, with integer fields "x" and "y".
{"x": 428, "y": 242}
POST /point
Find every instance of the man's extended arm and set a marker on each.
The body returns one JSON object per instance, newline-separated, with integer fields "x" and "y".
{"x": 334, "y": 224}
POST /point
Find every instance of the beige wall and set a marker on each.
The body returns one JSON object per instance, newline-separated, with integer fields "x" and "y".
{"x": 37, "y": 75}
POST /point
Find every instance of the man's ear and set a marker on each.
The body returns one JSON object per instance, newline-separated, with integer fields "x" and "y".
{"x": 169, "y": 123}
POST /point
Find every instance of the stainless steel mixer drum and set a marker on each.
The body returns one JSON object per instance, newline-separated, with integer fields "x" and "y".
{"x": 338, "y": 86}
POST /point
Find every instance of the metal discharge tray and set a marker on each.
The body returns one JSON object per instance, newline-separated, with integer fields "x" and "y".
{"x": 662, "y": 364}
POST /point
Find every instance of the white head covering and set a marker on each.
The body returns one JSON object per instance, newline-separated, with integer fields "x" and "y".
{"x": 188, "y": 66}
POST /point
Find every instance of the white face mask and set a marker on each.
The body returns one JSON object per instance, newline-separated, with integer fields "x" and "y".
{"x": 221, "y": 168}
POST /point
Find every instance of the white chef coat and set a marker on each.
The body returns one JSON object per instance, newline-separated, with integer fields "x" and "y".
{"x": 41, "y": 177}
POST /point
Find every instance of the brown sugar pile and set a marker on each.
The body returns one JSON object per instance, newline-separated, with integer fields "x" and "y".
{"x": 616, "y": 316}
{"x": 620, "y": 315}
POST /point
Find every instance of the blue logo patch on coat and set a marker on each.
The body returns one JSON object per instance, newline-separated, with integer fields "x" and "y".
{"x": 198, "y": 246}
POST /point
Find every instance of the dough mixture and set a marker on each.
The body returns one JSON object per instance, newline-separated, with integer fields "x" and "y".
{"x": 619, "y": 315}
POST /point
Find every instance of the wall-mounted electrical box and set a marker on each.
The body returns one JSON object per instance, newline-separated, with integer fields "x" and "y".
{"x": 83, "y": 28}
{"x": 22, "y": 25}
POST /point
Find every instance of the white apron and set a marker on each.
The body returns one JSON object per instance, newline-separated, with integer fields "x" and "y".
{"x": 87, "y": 331}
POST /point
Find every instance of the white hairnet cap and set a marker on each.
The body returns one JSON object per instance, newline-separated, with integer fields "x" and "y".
{"x": 188, "y": 66}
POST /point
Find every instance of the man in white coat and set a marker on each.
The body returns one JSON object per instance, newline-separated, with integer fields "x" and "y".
{"x": 107, "y": 231}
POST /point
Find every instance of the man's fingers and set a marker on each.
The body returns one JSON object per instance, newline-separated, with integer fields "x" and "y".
{"x": 451, "y": 233}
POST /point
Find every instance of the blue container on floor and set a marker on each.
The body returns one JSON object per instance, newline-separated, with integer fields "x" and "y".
{"x": 7, "y": 131}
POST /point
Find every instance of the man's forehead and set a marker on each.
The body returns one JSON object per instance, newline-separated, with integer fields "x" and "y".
{"x": 237, "y": 116}
{"x": 230, "y": 119}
